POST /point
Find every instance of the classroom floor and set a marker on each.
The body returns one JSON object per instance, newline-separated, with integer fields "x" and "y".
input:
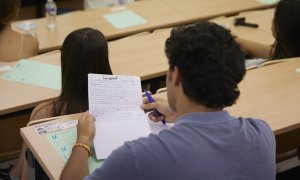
{"x": 286, "y": 170}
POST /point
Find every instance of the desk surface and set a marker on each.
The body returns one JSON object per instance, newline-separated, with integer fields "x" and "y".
{"x": 141, "y": 56}
{"x": 17, "y": 96}
{"x": 159, "y": 14}
{"x": 164, "y": 16}
{"x": 261, "y": 35}
{"x": 270, "y": 93}
{"x": 42, "y": 149}
{"x": 195, "y": 10}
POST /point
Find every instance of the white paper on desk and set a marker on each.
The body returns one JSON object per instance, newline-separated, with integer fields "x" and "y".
{"x": 115, "y": 102}
{"x": 5, "y": 68}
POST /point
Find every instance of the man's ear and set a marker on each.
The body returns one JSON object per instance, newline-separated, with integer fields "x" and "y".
{"x": 176, "y": 78}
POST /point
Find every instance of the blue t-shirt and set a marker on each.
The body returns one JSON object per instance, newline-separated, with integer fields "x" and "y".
{"x": 207, "y": 146}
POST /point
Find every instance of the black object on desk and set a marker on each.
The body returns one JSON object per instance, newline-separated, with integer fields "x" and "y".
{"x": 241, "y": 21}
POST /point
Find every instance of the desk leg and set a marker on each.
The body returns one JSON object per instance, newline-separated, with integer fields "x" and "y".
{"x": 35, "y": 171}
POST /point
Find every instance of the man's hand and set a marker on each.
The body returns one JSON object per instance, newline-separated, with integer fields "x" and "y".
{"x": 86, "y": 129}
{"x": 162, "y": 106}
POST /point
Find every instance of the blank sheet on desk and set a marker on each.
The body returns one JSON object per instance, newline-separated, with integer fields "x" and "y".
{"x": 124, "y": 19}
{"x": 115, "y": 102}
{"x": 35, "y": 73}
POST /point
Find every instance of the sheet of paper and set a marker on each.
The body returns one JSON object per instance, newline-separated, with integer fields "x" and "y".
{"x": 254, "y": 62}
{"x": 298, "y": 70}
{"x": 35, "y": 73}
{"x": 124, "y": 19}
{"x": 115, "y": 102}
{"x": 53, "y": 126}
{"x": 4, "y": 68}
{"x": 63, "y": 142}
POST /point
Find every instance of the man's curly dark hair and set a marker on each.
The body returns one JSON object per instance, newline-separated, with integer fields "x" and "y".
{"x": 210, "y": 63}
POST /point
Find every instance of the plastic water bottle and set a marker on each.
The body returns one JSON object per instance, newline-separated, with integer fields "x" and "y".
{"x": 51, "y": 10}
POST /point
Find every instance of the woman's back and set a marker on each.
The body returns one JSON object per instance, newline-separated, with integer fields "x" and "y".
{"x": 15, "y": 46}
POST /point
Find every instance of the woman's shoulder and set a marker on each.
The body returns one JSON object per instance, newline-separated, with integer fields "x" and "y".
{"x": 23, "y": 45}
{"x": 41, "y": 111}
{"x": 30, "y": 46}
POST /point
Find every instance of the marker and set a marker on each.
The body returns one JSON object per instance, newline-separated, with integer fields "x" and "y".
{"x": 151, "y": 100}
{"x": 242, "y": 22}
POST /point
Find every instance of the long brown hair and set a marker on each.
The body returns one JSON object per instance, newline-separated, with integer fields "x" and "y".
{"x": 84, "y": 51}
{"x": 287, "y": 30}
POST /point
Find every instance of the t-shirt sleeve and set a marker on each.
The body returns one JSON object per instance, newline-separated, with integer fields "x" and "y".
{"x": 119, "y": 165}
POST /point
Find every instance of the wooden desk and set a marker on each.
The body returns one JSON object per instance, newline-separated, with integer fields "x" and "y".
{"x": 142, "y": 56}
{"x": 159, "y": 14}
{"x": 270, "y": 93}
{"x": 17, "y": 96}
{"x": 195, "y": 10}
{"x": 42, "y": 149}
{"x": 261, "y": 35}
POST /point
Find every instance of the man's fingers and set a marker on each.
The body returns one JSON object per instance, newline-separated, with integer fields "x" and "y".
{"x": 150, "y": 106}
{"x": 145, "y": 100}
{"x": 153, "y": 117}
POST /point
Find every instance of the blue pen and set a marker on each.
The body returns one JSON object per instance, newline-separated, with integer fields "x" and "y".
{"x": 151, "y": 100}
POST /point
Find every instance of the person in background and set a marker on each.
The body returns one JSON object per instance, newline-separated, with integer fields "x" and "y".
{"x": 285, "y": 29}
{"x": 206, "y": 142}
{"x": 14, "y": 46}
{"x": 84, "y": 51}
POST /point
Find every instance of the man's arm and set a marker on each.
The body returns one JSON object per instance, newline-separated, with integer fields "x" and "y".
{"x": 77, "y": 165}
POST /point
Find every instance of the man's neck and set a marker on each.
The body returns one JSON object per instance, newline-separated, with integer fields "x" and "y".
{"x": 185, "y": 105}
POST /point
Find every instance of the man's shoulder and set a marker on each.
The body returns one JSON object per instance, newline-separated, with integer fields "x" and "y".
{"x": 258, "y": 123}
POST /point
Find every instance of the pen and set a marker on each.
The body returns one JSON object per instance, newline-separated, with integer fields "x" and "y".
{"x": 151, "y": 100}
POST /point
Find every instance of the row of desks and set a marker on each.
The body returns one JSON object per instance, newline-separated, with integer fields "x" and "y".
{"x": 158, "y": 14}
{"x": 264, "y": 95}
{"x": 141, "y": 55}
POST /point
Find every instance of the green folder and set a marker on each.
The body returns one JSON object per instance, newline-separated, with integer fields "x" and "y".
{"x": 35, "y": 73}
{"x": 124, "y": 19}
{"x": 63, "y": 142}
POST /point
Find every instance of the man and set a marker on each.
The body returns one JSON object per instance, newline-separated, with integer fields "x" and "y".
{"x": 205, "y": 67}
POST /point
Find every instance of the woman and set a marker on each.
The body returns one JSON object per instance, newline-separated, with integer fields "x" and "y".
{"x": 14, "y": 46}
{"x": 84, "y": 51}
{"x": 285, "y": 28}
